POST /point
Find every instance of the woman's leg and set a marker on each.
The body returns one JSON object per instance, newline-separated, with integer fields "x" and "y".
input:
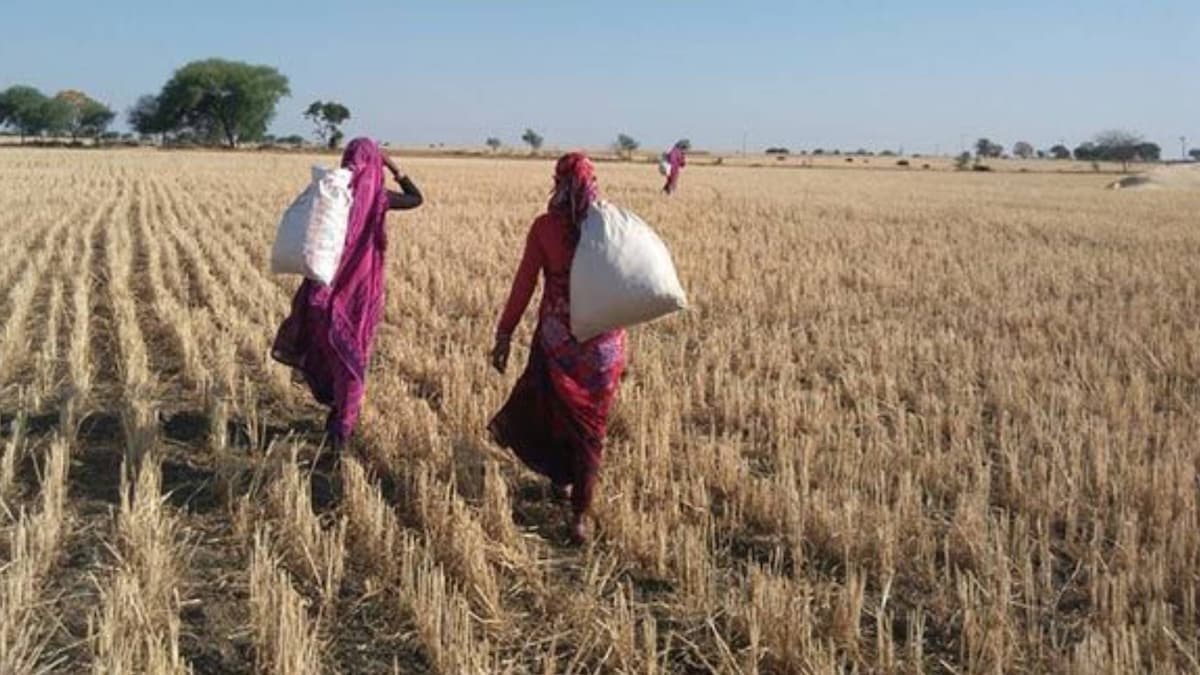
{"x": 583, "y": 489}
{"x": 347, "y": 404}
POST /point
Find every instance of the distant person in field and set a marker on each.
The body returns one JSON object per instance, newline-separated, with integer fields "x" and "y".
{"x": 556, "y": 417}
{"x": 676, "y": 159}
{"x": 328, "y": 336}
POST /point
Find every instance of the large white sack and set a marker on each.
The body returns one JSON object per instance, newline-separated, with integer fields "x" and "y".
{"x": 622, "y": 274}
{"x": 312, "y": 233}
{"x": 664, "y": 165}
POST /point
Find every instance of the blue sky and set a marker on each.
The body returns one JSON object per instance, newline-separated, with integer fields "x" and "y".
{"x": 846, "y": 74}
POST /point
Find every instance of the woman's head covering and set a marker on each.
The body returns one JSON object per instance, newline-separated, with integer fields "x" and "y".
{"x": 683, "y": 144}
{"x": 364, "y": 161}
{"x": 367, "y": 212}
{"x": 574, "y": 186}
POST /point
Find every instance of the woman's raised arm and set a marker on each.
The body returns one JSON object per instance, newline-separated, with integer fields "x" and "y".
{"x": 409, "y": 196}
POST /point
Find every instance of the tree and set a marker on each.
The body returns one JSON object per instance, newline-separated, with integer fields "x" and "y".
{"x": 1117, "y": 145}
{"x": 1060, "y": 151}
{"x": 328, "y": 116}
{"x": 75, "y": 100}
{"x": 986, "y": 148}
{"x": 95, "y": 119}
{"x": 147, "y": 117}
{"x": 1022, "y": 149}
{"x": 626, "y": 145}
{"x": 778, "y": 151}
{"x": 1086, "y": 151}
{"x": 1194, "y": 153}
{"x": 20, "y": 107}
{"x": 1148, "y": 152}
{"x": 89, "y": 117}
{"x": 534, "y": 140}
{"x": 222, "y": 100}
{"x": 52, "y": 116}
{"x": 494, "y": 143}
{"x": 961, "y": 162}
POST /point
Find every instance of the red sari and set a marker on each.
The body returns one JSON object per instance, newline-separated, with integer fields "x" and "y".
{"x": 556, "y": 418}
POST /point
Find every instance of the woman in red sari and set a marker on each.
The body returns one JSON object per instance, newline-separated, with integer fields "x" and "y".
{"x": 556, "y": 418}
{"x": 328, "y": 337}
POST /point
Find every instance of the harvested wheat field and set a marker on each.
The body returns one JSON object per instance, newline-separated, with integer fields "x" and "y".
{"x": 915, "y": 422}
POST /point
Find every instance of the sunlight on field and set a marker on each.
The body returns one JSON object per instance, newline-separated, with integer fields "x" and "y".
{"x": 915, "y": 421}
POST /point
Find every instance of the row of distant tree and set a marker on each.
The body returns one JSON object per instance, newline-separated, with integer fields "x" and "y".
{"x": 1107, "y": 146}
{"x": 29, "y": 112}
{"x": 625, "y": 145}
{"x": 212, "y": 102}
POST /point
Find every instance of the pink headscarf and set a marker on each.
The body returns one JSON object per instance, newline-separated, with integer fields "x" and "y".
{"x": 363, "y": 159}
{"x": 574, "y": 186}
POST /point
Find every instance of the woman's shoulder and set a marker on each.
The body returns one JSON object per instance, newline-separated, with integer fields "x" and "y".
{"x": 547, "y": 223}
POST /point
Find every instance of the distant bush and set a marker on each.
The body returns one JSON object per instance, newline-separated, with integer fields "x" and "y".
{"x": 903, "y": 162}
{"x": 981, "y": 167}
{"x": 924, "y": 166}
{"x": 778, "y": 151}
{"x": 961, "y": 162}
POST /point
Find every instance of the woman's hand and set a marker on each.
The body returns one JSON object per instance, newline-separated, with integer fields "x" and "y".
{"x": 500, "y": 353}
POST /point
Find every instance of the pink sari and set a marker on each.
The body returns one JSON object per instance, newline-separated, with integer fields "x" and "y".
{"x": 328, "y": 337}
{"x": 677, "y": 159}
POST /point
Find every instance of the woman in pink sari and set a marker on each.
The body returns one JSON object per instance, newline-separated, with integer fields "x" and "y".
{"x": 556, "y": 417}
{"x": 677, "y": 159}
{"x": 327, "y": 338}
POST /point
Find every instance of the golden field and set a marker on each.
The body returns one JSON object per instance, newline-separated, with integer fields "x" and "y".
{"x": 916, "y": 421}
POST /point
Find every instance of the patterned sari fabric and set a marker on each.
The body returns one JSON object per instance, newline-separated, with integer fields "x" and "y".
{"x": 556, "y": 418}
{"x": 328, "y": 336}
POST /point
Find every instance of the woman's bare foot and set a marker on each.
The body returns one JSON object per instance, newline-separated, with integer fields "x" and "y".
{"x": 579, "y": 529}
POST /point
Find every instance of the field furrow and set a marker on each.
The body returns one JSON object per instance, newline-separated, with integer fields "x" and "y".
{"x": 25, "y": 295}
{"x": 240, "y": 343}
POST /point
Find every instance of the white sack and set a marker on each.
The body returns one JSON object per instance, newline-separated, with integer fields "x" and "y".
{"x": 312, "y": 233}
{"x": 622, "y": 274}
{"x": 664, "y": 165}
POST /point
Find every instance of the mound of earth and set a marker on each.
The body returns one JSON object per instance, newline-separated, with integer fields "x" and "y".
{"x": 1177, "y": 177}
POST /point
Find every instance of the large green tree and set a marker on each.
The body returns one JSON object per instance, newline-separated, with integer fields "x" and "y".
{"x": 220, "y": 100}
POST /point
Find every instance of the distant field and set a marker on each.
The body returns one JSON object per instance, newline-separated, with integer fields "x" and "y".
{"x": 917, "y": 421}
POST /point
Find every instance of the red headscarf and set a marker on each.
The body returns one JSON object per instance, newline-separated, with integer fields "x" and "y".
{"x": 574, "y": 186}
